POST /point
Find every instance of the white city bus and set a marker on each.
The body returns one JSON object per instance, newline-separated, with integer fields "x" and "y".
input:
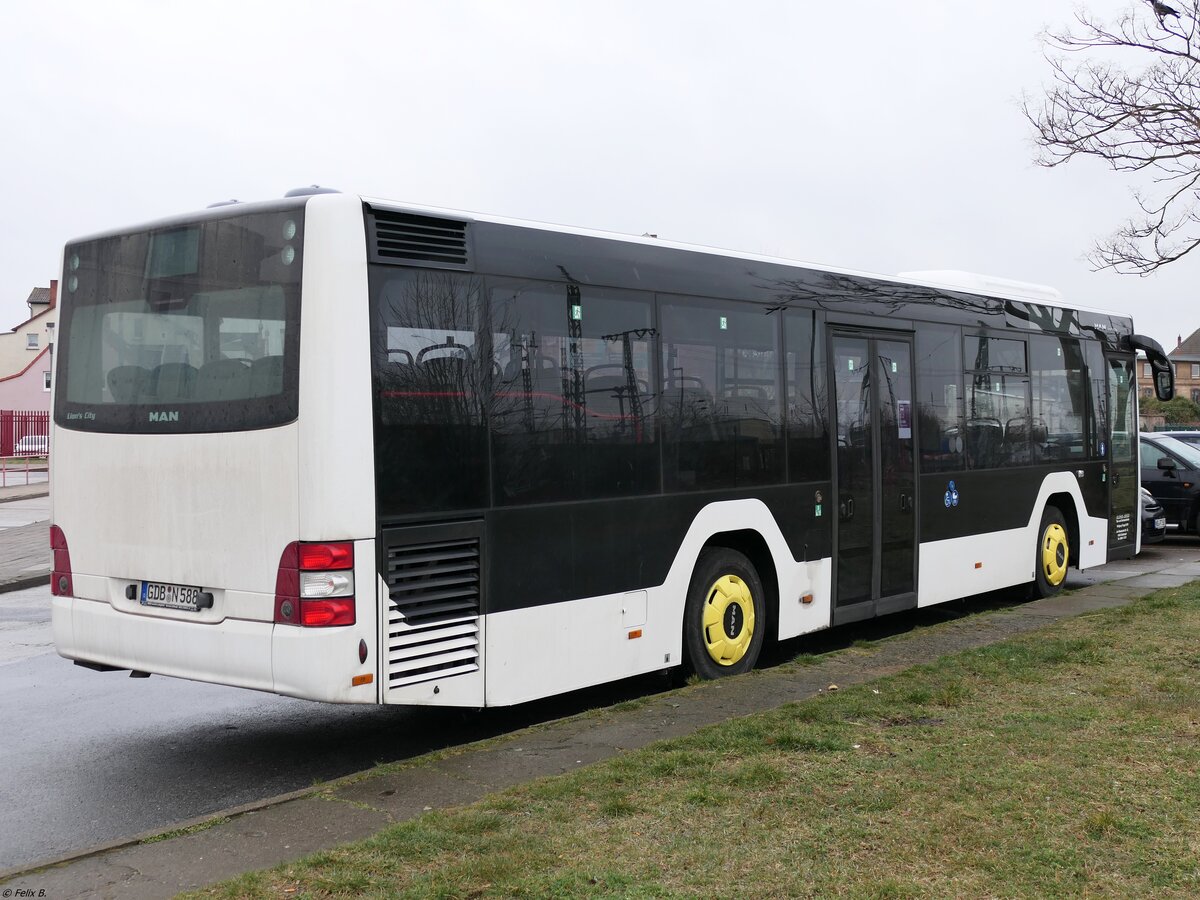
{"x": 364, "y": 452}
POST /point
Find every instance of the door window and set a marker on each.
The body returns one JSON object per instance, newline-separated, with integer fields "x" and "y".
{"x": 876, "y": 469}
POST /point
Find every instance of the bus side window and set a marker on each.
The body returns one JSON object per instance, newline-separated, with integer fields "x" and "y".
{"x": 571, "y": 407}
{"x": 1060, "y": 396}
{"x": 939, "y": 391}
{"x": 1097, "y": 399}
{"x": 429, "y": 382}
{"x": 721, "y": 402}
{"x": 807, "y": 404}
{"x": 998, "y": 427}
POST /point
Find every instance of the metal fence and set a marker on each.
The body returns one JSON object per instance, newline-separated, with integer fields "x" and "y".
{"x": 24, "y": 433}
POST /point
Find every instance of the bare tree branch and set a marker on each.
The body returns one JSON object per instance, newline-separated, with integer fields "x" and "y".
{"x": 1134, "y": 103}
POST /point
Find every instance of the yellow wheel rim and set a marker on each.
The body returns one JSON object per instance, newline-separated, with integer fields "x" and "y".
{"x": 1055, "y": 554}
{"x": 728, "y": 620}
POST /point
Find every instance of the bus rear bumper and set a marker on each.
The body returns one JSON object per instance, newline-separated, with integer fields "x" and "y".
{"x": 238, "y": 653}
{"x": 312, "y": 663}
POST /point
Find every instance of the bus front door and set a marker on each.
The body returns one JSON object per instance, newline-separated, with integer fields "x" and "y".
{"x": 875, "y": 476}
{"x": 1123, "y": 518}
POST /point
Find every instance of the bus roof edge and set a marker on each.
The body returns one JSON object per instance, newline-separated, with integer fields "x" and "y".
{"x": 984, "y": 284}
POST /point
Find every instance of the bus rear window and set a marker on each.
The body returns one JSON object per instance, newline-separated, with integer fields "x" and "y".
{"x": 188, "y": 329}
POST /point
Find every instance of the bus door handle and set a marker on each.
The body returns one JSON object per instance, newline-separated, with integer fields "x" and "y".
{"x": 906, "y": 503}
{"x": 847, "y": 509}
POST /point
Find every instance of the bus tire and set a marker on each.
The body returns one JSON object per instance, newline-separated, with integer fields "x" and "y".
{"x": 1053, "y": 553}
{"x": 725, "y": 614}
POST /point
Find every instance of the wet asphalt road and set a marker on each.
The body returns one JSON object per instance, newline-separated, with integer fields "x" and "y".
{"x": 88, "y": 758}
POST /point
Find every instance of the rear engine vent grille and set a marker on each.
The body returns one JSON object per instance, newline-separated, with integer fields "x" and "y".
{"x": 433, "y": 621}
{"x": 409, "y": 239}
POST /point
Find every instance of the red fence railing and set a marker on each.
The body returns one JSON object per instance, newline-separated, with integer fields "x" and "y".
{"x": 24, "y": 433}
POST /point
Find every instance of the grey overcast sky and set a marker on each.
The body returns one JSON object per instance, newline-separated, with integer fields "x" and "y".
{"x": 873, "y": 135}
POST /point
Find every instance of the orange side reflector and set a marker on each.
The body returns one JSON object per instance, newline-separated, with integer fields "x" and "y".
{"x": 636, "y": 633}
{"x": 979, "y": 565}
{"x": 806, "y": 598}
{"x": 362, "y": 679}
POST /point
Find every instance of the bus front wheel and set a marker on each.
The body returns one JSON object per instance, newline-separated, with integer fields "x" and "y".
{"x": 725, "y": 614}
{"x": 1053, "y": 553}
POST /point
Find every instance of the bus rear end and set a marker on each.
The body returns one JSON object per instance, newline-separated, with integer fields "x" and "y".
{"x": 211, "y": 490}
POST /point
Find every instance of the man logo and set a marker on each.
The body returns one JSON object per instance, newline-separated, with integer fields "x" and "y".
{"x": 164, "y": 416}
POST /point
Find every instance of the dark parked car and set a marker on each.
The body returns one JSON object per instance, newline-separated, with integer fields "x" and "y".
{"x": 1154, "y": 520}
{"x": 1171, "y": 472}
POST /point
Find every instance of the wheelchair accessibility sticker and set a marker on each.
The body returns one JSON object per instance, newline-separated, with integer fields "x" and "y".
{"x": 951, "y": 495}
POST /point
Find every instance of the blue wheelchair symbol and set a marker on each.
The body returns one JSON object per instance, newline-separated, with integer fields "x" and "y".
{"x": 951, "y": 497}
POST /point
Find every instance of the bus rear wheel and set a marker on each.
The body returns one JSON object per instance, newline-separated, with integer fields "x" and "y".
{"x": 1053, "y": 553}
{"x": 725, "y": 614}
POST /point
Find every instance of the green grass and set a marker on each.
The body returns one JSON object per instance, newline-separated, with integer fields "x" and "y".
{"x": 191, "y": 829}
{"x": 1065, "y": 762}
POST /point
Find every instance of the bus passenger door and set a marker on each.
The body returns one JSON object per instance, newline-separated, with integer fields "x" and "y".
{"x": 874, "y": 475}
{"x": 1123, "y": 518}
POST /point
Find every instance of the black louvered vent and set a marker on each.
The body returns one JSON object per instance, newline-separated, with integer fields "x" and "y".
{"x": 421, "y": 240}
{"x": 433, "y": 624}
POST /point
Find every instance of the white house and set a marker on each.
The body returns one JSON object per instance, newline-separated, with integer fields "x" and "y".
{"x": 27, "y": 354}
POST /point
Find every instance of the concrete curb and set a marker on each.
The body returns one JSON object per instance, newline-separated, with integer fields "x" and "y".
{"x": 9, "y": 498}
{"x": 27, "y": 581}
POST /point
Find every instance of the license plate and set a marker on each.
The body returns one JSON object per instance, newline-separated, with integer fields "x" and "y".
{"x": 171, "y": 596}
{"x": 1160, "y": 523}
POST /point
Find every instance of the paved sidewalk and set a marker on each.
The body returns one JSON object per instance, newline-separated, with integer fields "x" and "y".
{"x": 284, "y": 828}
{"x": 25, "y": 557}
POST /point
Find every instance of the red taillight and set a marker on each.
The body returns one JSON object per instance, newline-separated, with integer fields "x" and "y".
{"x": 326, "y": 557}
{"x": 60, "y": 578}
{"x": 315, "y": 613}
{"x": 291, "y": 608}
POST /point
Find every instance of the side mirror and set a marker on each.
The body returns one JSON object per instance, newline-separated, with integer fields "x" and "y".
{"x": 1166, "y": 465}
{"x": 1164, "y": 378}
